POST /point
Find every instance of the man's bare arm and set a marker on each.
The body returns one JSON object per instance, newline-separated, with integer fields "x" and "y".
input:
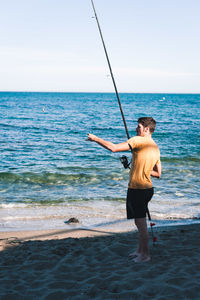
{"x": 157, "y": 170}
{"x": 109, "y": 145}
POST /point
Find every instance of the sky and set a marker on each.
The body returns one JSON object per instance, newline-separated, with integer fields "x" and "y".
{"x": 47, "y": 45}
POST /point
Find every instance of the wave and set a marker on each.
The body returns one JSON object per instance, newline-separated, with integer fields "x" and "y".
{"x": 59, "y": 178}
{"x": 61, "y": 202}
{"x": 25, "y": 127}
{"x": 183, "y": 159}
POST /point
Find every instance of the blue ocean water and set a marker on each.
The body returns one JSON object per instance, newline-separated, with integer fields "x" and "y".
{"x": 49, "y": 172}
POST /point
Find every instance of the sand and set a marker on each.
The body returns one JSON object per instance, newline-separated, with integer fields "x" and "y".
{"x": 94, "y": 264}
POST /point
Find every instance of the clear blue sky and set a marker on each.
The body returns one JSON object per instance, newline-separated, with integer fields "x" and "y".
{"x": 48, "y": 45}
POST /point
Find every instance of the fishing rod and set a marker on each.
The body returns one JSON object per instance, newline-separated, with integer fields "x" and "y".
{"x": 123, "y": 159}
{"x": 154, "y": 238}
{"x": 110, "y": 68}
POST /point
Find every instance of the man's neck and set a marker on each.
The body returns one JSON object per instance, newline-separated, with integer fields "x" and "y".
{"x": 146, "y": 135}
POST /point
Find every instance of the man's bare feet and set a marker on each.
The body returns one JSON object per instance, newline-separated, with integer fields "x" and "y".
{"x": 141, "y": 258}
{"x": 132, "y": 254}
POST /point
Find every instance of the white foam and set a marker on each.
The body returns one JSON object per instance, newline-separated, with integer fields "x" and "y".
{"x": 89, "y": 214}
{"x": 12, "y": 205}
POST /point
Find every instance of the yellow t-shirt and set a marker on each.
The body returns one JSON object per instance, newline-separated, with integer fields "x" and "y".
{"x": 145, "y": 154}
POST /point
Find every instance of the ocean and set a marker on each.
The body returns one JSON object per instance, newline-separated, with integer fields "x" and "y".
{"x": 49, "y": 172}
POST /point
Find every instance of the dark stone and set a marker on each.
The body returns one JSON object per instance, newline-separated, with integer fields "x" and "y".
{"x": 72, "y": 220}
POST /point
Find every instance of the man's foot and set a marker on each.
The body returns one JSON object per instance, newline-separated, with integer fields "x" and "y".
{"x": 132, "y": 254}
{"x": 141, "y": 258}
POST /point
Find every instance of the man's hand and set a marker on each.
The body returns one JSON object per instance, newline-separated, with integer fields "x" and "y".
{"x": 156, "y": 172}
{"x": 92, "y": 137}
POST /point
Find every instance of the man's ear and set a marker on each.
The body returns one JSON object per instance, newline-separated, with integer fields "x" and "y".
{"x": 146, "y": 129}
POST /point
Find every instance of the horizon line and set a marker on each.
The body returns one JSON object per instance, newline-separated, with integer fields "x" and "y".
{"x": 93, "y": 92}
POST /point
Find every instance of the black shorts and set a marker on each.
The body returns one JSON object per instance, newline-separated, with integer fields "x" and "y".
{"x": 137, "y": 202}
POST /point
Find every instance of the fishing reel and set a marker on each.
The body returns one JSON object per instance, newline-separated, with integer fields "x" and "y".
{"x": 124, "y": 161}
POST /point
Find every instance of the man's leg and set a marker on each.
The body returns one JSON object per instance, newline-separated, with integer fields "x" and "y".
{"x": 143, "y": 248}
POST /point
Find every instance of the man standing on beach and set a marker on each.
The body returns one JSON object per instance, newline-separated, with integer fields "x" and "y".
{"x": 145, "y": 163}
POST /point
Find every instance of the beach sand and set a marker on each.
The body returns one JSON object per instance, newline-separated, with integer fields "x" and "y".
{"x": 94, "y": 264}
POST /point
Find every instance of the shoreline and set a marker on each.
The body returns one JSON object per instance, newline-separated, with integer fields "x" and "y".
{"x": 115, "y": 226}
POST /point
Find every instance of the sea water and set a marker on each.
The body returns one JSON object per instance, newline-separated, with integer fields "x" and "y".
{"x": 49, "y": 172}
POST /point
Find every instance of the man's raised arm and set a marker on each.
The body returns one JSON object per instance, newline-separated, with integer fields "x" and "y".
{"x": 109, "y": 145}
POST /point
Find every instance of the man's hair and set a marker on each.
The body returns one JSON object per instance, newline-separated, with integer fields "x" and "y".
{"x": 148, "y": 122}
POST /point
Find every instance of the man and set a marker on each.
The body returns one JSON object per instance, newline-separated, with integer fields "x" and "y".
{"x": 145, "y": 163}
